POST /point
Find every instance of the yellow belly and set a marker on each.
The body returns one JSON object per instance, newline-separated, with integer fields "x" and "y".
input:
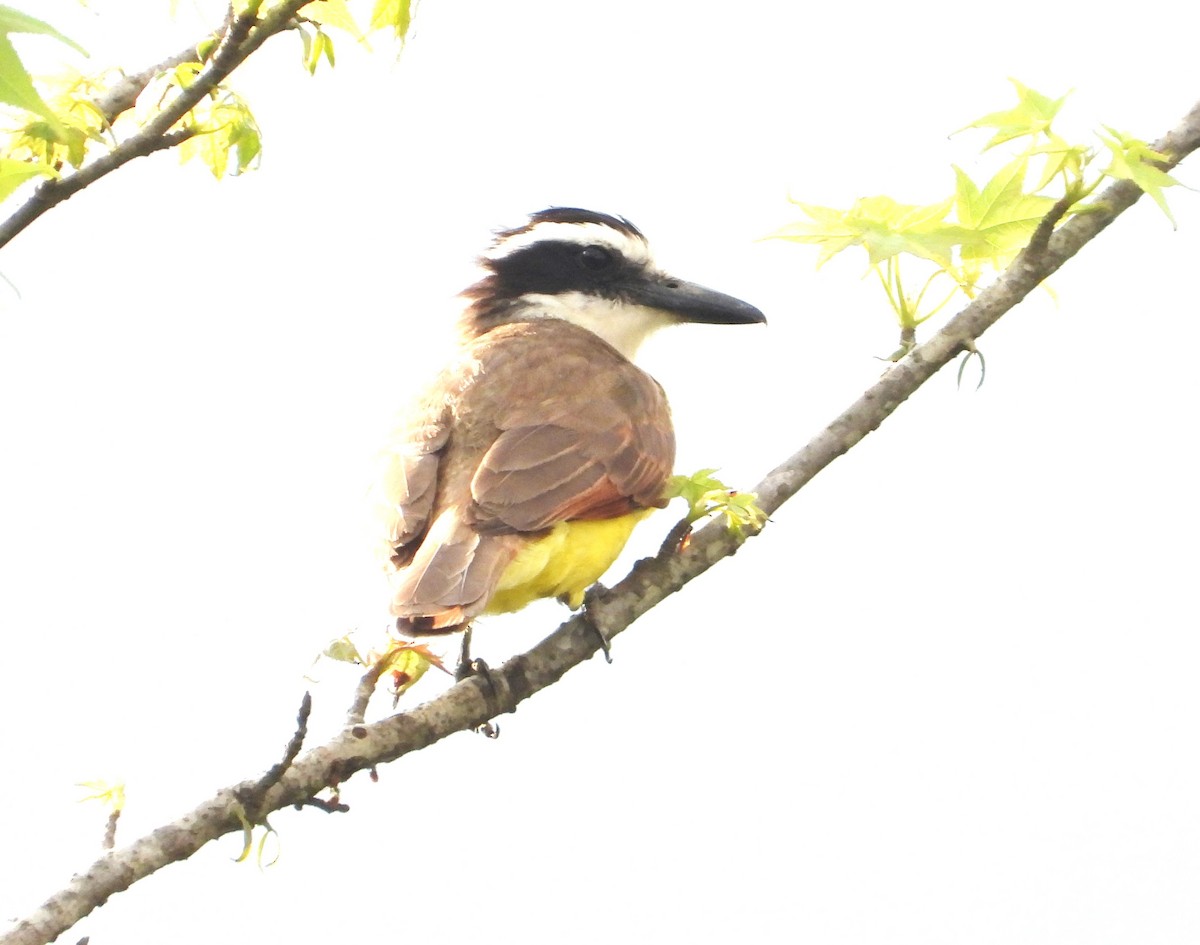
{"x": 564, "y": 563}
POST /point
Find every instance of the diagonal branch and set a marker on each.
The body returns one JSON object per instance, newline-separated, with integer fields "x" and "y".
{"x": 244, "y": 34}
{"x": 473, "y": 701}
{"x": 124, "y": 93}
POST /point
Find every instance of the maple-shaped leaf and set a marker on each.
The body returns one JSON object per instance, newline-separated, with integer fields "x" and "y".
{"x": 694, "y": 490}
{"x": 828, "y": 231}
{"x": 1032, "y": 114}
{"x": 883, "y": 227}
{"x": 1061, "y": 158}
{"x": 1132, "y": 159}
{"x": 1001, "y": 217}
{"x": 110, "y": 794}
{"x": 406, "y": 662}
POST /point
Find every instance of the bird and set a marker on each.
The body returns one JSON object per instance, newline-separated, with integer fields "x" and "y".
{"x": 522, "y": 470}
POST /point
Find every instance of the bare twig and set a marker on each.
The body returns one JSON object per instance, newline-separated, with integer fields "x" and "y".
{"x": 110, "y": 829}
{"x": 363, "y": 692}
{"x": 330, "y": 806}
{"x": 473, "y": 701}
{"x": 295, "y": 743}
{"x": 251, "y": 796}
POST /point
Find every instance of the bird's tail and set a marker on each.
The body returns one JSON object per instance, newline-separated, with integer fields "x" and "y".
{"x": 451, "y": 577}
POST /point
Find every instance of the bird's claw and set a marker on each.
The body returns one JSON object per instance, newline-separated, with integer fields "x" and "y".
{"x": 466, "y": 669}
{"x": 605, "y": 645}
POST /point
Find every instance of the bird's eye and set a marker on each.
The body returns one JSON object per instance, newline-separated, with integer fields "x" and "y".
{"x": 595, "y": 258}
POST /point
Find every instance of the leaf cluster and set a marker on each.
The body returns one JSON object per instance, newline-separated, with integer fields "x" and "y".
{"x": 947, "y": 248}
{"x": 403, "y": 661}
{"x": 222, "y": 126}
{"x": 706, "y": 496}
{"x": 57, "y": 124}
{"x": 52, "y": 145}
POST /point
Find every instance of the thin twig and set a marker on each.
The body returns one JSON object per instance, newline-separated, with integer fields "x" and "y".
{"x": 251, "y": 796}
{"x": 329, "y": 807}
{"x": 363, "y": 692}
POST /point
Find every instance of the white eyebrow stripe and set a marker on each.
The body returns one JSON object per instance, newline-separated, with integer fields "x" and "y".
{"x": 585, "y": 234}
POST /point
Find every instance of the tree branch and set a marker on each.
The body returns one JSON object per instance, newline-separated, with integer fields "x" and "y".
{"x": 243, "y": 34}
{"x": 125, "y": 91}
{"x": 473, "y": 701}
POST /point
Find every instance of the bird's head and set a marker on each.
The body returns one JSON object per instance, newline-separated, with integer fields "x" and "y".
{"x": 594, "y": 270}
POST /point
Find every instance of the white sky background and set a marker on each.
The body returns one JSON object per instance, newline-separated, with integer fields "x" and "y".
{"x": 949, "y": 696}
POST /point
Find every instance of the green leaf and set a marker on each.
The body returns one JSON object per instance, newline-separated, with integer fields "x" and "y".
{"x": 707, "y": 495}
{"x": 268, "y": 832}
{"x": 205, "y": 48}
{"x": 79, "y": 124}
{"x": 1001, "y": 218}
{"x": 14, "y": 173}
{"x": 883, "y": 227}
{"x": 306, "y": 42}
{"x": 315, "y": 46}
{"x": 1032, "y": 115}
{"x": 246, "y": 142}
{"x": 224, "y": 128}
{"x": 831, "y": 235}
{"x": 742, "y": 512}
{"x": 343, "y": 650}
{"x": 1131, "y": 160}
{"x": 406, "y": 663}
{"x": 185, "y": 73}
{"x": 210, "y": 147}
{"x": 1061, "y": 158}
{"x": 313, "y": 52}
{"x": 111, "y": 794}
{"x": 247, "y": 832}
{"x": 392, "y": 14}
{"x": 337, "y": 14}
{"x": 16, "y": 85}
{"x": 694, "y": 490}
{"x": 14, "y": 21}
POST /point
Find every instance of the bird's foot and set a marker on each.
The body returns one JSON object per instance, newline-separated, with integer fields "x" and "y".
{"x": 467, "y": 668}
{"x": 588, "y": 599}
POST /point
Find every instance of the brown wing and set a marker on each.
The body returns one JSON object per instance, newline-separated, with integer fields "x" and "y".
{"x": 549, "y": 424}
{"x": 410, "y": 476}
{"x": 589, "y": 436}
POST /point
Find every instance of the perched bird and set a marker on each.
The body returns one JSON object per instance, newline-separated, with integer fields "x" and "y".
{"x": 524, "y": 468}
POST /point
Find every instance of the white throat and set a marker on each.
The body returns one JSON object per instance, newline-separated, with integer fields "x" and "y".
{"x": 623, "y": 326}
